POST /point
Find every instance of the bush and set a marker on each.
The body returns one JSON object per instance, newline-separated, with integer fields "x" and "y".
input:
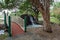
{"x": 54, "y": 20}
{"x": 58, "y": 16}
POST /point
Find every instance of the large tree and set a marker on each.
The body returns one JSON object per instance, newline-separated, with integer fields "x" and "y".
{"x": 43, "y": 6}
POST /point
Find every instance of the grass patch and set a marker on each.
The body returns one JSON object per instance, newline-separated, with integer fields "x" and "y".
{"x": 3, "y": 36}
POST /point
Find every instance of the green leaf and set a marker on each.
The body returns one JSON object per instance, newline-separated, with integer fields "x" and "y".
{"x": 54, "y": 20}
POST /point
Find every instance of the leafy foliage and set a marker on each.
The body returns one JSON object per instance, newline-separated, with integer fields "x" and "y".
{"x": 26, "y": 7}
{"x": 8, "y": 3}
{"x": 57, "y": 5}
{"x": 55, "y": 14}
{"x": 54, "y": 20}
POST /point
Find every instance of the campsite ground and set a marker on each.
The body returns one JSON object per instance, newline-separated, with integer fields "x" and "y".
{"x": 39, "y": 34}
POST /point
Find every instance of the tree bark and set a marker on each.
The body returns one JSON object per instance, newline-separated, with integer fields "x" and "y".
{"x": 47, "y": 26}
{"x": 46, "y": 17}
{"x": 45, "y": 13}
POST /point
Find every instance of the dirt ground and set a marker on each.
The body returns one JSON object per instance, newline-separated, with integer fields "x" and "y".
{"x": 38, "y": 34}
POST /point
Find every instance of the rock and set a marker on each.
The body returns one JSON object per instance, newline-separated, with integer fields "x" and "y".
{"x": 2, "y": 26}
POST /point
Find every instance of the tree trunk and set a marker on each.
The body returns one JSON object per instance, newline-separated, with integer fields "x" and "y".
{"x": 44, "y": 9}
{"x": 36, "y": 15}
{"x": 47, "y": 26}
{"x": 46, "y": 17}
